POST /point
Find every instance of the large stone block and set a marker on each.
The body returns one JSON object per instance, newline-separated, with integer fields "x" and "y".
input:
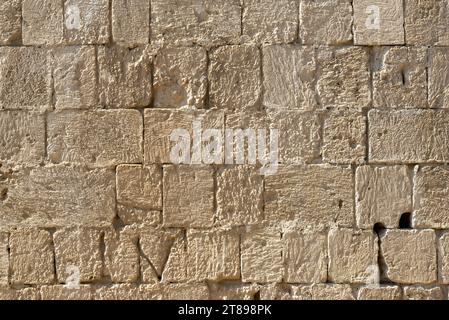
{"x": 128, "y": 292}
{"x": 379, "y": 293}
{"x": 438, "y": 83}
{"x": 443, "y": 257}
{"x": 233, "y": 291}
{"x": 322, "y": 291}
{"x": 83, "y": 292}
{"x": 42, "y": 22}
{"x": 131, "y": 22}
{"x": 4, "y": 259}
{"x": 11, "y": 22}
{"x": 130, "y": 215}
{"x": 423, "y": 293}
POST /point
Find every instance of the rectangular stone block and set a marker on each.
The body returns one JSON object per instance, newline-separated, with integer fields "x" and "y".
{"x": 289, "y": 77}
{"x": 176, "y": 266}
{"x": 4, "y": 259}
{"x": 131, "y": 215}
{"x": 22, "y": 136}
{"x": 378, "y": 22}
{"x": 56, "y": 196}
{"x": 131, "y": 22}
{"x": 315, "y": 195}
{"x": 322, "y": 291}
{"x": 188, "y": 196}
{"x": 185, "y": 291}
{"x": 75, "y": 77}
{"x": 410, "y": 256}
{"x": 269, "y": 21}
{"x": 103, "y": 137}
{"x": 25, "y": 70}
{"x": 233, "y": 291}
{"x": 83, "y": 292}
{"x": 400, "y": 77}
{"x": 128, "y": 292}
{"x": 325, "y": 22}
{"x": 125, "y": 77}
{"x": 408, "y": 136}
{"x": 235, "y": 79}
{"x": 195, "y": 22}
{"x": 383, "y": 194}
{"x": 31, "y": 257}
{"x": 443, "y": 257}
{"x": 11, "y": 22}
{"x": 423, "y": 293}
{"x": 180, "y": 77}
{"x": 352, "y": 256}
{"x": 42, "y": 22}
{"x": 28, "y": 293}
{"x": 379, "y": 293}
{"x": 438, "y": 80}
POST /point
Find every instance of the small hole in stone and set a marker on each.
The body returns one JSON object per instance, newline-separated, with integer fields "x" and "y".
{"x": 405, "y": 222}
{"x": 257, "y": 295}
{"x": 340, "y": 203}
{"x": 3, "y": 194}
{"x": 378, "y": 228}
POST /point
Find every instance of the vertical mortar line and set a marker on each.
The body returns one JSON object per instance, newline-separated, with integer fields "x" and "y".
{"x": 262, "y": 80}
{"x": 97, "y": 76}
{"x": 149, "y": 21}
{"x": 428, "y": 68}
{"x": 206, "y": 101}
{"x": 298, "y": 26}
{"x": 404, "y": 3}
{"x": 242, "y": 7}
{"x": 9, "y": 260}
{"x": 111, "y": 38}
{"x": 353, "y": 23}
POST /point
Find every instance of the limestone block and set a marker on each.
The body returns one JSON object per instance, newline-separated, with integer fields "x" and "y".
{"x": 276, "y": 291}
{"x": 185, "y": 291}
{"x": 344, "y": 137}
{"x": 22, "y": 136}
{"x": 140, "y": 186}
{"x": 322, "y": 291}
{"x": 314, "y": 195}
{"x": 408, "y": 136}
{"x": 25, "y": 70}
{"x": 289, "y": 77}
{"x": 4, "y": 258}
{"x": 352, "y": 255}
{"x": 83, "y": 292}
{"x": 443, "y": 258}
{"x": 423, "y": 293}
{"x": 270, "y": 21}
{"x": 325, "y": 21}
{"x": 438, "y": 77}
{"x": 400, "y": 77}
{"x": 42, "y": 22}
{"x": 383, "y": 194}
{"x": 128, "y": 292}
{"x": 410, "y": 256}
{"x": 344, "y": 77}
{"x": 176, "y": 266}
{"x": 131, "y": 215}
{"x": 187, "y": 22}
{"x": 379, "y": 293}
{"x": 103, "y": 137}
{"x": 124, "y": 76}
{"x": 86, "y": 21}
{"x": 31, "y": 257}
{"x": 75, "y": 77}
{"x": 378, "y": 22}
{"x": 29, "y": 293}
{"x": 56, "y": 196}
{"x": 233, "y": 291}
{"x": 242, "y": 205}
{"x": 11, "y": 22}
{"x": 78, "y": 255}
{"x": 235, "y": 81}
{"x": 188, "y": 196}
{"x": 180, "y": 77}
{"x": 131, "y": 22}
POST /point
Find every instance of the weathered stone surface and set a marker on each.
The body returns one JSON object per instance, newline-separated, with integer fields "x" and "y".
{"x": 235, "y": 80}
{"x": 56, "y": 196}
{"x": 408, "y": 136}
{"x": 83, "y": 292}
{"x": 378, "y": 22}
{"x": 4, "y": 258}
{"x": 188, "y": 193}
{"x": 140, "y": 186}
{"x": 160, "y": 124}
{"x": 176, "y": 266}
{"x": 242, "y": 205}
{"x": 195, "y": 22}
{"x": 185, "y": 291}
{"x": 325, "y": 21}
{"x": 320, "y": 291}
{"x": 261, "y": 254}
{"x": 103, "y": 138}
{"x": 78, "y": 255}
{"x": 11, "y": 22}
{"x": 438, "y": 80}
{"x": 297, "y": 193}
{"x": 352, "y": 255}
{"x": 379, "y": 293}
{"x": 276, "y": 291}
{"x": 289, "y": 77}
{"x": 131, "y": 215}
{"x": 180, "y": 77}
{"x": 383, "y": 194}
{"x": 25, "y": 78}
{"x": 29, "y": 293}
{"x": 42, "y": 22}
{"x": 124, "y": 76}
{"x": 344, "y": 137}
{"x": 305, "y": 257}
{"x": 443, "y": 258}
{"x": 22, "y": 137}
{"x": 131, "y": 22}
{"x": 233, "y": 291}
{"x": 343, "y": 77}
{"x": 75, "y": 77}
{"x": 400, "y": 77}
{"x": 410, "y": 256}
{"x": 269, "y": 21}
{"x": 426, "y": 22}
{"x": 129, "y": 292}
{"x": 86, "y": 21}
{"x": 31, "y": 257}
{"x": 423, "y": 293}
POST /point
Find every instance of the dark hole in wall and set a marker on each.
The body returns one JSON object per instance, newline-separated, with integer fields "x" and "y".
{"x": 405, "y": 222}
{"x": 378, "y": 228}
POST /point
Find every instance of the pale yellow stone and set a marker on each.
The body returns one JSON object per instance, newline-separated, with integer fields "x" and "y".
{"x": 438, "y": 84}
{"x": 4, "y": 259}
{"x": 131, "y": 22}
{"x": 131, "y": 215}
{"x": 322, "y": 291}
{"x": 233, "y": 291}
{"x": 10, "y": 22}
{"x": 29, "y": 293}
{"x": 42, "y": 22}
{"x": 185, "y": 291}
{"x": 128, "y": 292}
{"x": 379, "y": 293}
{"x": 443, "y": 257}
{"x": 423, "y": 293}
{"x": 83, "y": 292}
{"x": 176, "y": 266}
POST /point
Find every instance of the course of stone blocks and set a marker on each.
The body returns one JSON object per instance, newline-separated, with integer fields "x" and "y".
{"x": 92, "y": 205}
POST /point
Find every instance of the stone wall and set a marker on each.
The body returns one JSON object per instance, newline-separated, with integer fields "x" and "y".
{"x": 94, "y": 205}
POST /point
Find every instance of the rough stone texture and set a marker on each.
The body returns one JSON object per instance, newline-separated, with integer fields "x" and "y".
{"x": 180, "y": 78}
{"x": 234, "y": 78}
{"x": 400, "y": 77}
{"x": 129, "y": 215}
{"x": 41, "y": 22}
{"x": 131, "y": 22}
{"x": 318, "y": 291}
{"x": 11, "y": 22}
{"x": 408, "y": 136}
{"x": 443, "y": 258}
{"x": 422, "y": 293}
{"x": 128, "y": 292}
{"x": 378, "y": 22}
{"x": 62, "y": 293}
{"x": 29, "y": 293}
{"x": 325, "y": 22}
{"x": 269, "y": 21}
{"x": 438, "y": 80}
{"x": 410, "y": 256}
{"x": 231, "y": 291}
{"x": 102, "y": 138}
{"x": 383, "y": 194}
{"x": 4, "y": 258}
{"x": 186, "y": 291}
{"x": 379, "y": 293}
